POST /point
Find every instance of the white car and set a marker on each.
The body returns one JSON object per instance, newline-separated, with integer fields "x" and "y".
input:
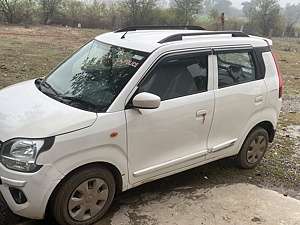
{"x": 130, "y": 107}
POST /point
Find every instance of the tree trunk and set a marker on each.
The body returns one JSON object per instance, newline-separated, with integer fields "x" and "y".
{"x": 46, "y": 19}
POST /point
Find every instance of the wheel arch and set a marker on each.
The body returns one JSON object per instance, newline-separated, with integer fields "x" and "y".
{"x": 268, "y": 126}
{"x": 117, "y": 175}
{"x": 113, "y": 169}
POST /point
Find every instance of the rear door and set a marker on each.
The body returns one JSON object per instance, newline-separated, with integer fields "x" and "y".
{"x": 174, "y": 136}
{"x": 240, "y": 96}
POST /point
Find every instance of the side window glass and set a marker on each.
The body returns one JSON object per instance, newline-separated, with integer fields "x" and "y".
{"x": 177, "y": 76}
{"x": 235, "y": 68}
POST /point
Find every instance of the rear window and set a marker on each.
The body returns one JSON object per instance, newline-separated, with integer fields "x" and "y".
{"x": 235, "y": 68}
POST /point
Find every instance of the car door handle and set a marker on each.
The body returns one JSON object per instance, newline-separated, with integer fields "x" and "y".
{"x": 201, "y": 113}
{"x": 258, "y": 99}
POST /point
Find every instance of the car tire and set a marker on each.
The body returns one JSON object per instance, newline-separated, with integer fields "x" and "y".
{"x": 253, "y": 149}
{"x": 84, "y": 196}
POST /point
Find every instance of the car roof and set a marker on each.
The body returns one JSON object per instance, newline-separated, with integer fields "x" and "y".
{"x": 149, "y": 40}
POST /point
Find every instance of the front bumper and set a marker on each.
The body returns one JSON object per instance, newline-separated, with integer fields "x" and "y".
{"x": 35, "y": 187}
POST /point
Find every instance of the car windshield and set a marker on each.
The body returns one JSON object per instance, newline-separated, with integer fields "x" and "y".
{"x": 93, "y": 76}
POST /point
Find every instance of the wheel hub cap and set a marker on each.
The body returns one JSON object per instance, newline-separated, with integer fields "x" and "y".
{"x": 256, "y": 149}
{"x": 88, "y": 199}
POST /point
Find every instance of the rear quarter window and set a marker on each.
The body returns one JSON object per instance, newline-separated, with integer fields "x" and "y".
{"x": 235, "y": 68}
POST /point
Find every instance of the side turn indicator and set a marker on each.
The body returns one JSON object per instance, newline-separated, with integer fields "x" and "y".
{"x": 114, "y": 134}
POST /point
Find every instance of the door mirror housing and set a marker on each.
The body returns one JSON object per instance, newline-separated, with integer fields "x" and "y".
{"x": 146, "y": 100}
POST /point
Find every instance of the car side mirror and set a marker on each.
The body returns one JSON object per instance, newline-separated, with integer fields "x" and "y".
{"x": 146, "y": 100}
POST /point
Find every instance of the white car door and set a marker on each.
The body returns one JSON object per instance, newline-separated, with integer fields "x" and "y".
{"x": 240, "y": 96}
{"x": 173, "y": 136}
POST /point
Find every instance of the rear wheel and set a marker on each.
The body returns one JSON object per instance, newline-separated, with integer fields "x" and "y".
{"x": 253, "y": 149}
{"x": 84, "y": 197}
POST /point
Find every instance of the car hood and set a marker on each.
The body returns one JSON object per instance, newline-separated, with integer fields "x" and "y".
{"x": 28, "y": 113}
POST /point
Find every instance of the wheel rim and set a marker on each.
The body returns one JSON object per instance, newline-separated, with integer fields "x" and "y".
{"x": 256, "y": 149}
{"x": 88, "y": 199}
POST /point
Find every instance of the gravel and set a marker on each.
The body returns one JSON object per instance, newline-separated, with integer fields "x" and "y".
{"x": 290, "y": 104}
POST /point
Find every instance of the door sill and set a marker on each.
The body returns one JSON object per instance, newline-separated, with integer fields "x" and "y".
{"x": 169, "y": 163}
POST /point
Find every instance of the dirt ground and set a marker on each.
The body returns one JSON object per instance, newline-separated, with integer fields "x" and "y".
{"x": 193, "y": 198}
{"x": 209, "y": 194}
{"x": 49, "y": 30}
{"x": 237, "y": 204}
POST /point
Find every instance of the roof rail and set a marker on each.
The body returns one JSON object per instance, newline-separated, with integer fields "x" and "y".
{"x": 180, "y": 27}
{"x": 178, "y": 37}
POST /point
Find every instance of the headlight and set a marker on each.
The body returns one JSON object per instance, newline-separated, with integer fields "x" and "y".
{"x": 21, "y": 154}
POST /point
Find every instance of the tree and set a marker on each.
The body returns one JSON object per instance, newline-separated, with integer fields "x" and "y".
{"x": 168, "y": 17}
{"x": 268, "y": 12}
{"x": 213, "y": 16}
{"x": 208, "y": 6}
{"x": 189, "y": 7}
{"x": 223, "y": 6}
{"x": 27, "y": 10}
{"x": 113, "y": 16}
{"x": 292, "y": 17}
{"x": 139, "y": 12}
{"x": 73, "y": 12}
{"x": 48, "y": 9}
{"x": 248, "y": 7}
{"x": 9, "y": 8}
{"x": 263, "y": 16}
{"x": 292, "y": 12}
{"x": 95, "y": 15}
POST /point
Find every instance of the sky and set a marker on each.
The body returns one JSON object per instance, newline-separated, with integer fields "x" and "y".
{"x": 237, "y": 3}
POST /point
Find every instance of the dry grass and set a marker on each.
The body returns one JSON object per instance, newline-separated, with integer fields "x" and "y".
{"x": 287, "y": 51}
{"x": 26, "y": 57}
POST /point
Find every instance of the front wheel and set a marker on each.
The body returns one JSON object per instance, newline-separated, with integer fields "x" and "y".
{"x": 253, "y": 148}
{"x": 84, "y": 196}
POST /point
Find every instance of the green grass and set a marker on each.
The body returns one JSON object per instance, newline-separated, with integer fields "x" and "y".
{"x": 202, "y": 20}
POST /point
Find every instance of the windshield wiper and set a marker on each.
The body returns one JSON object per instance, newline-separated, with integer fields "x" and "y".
{"x": 81, "y": 101}
{"x": 49, "y": 87}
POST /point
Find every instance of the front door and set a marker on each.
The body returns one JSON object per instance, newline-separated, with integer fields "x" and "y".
{"x": 173, "y": 136}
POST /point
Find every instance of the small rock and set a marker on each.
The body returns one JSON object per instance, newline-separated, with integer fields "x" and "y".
{"x": 255, "y": 219}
